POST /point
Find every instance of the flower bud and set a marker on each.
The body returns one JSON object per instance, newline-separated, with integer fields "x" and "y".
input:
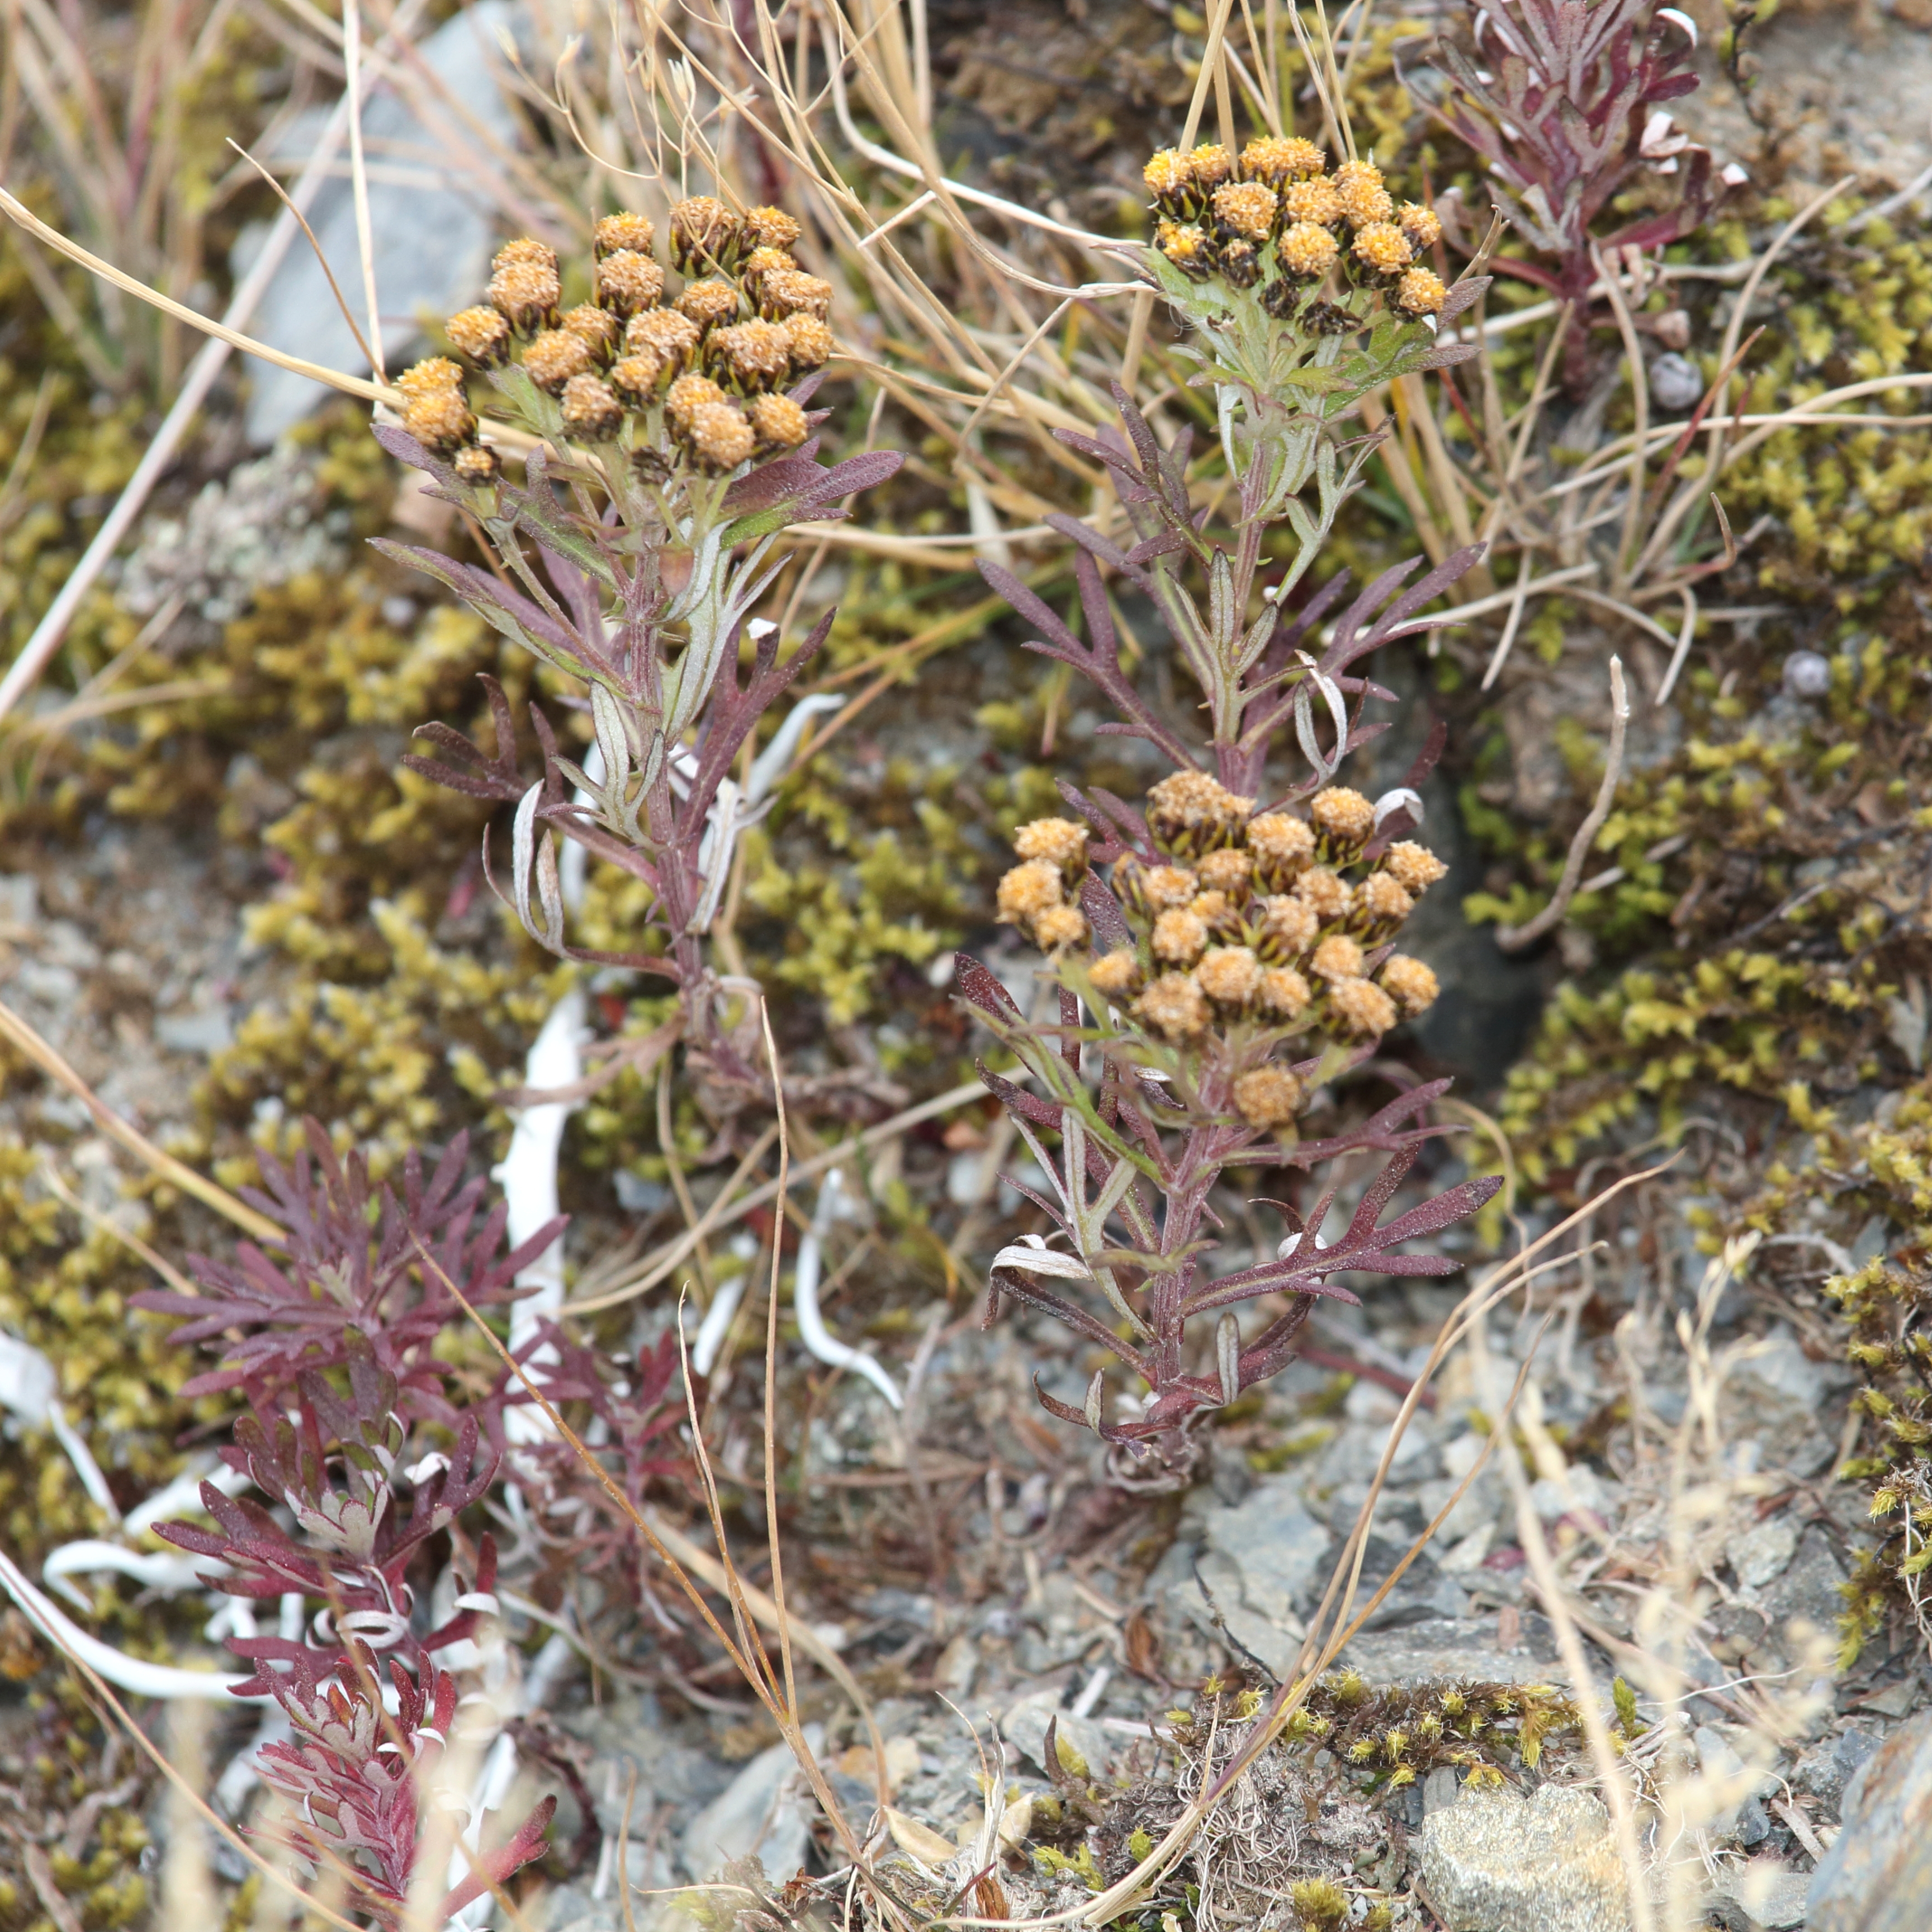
{"x": 771, "y": 228}
{"x": 710, "y": 304}
{"x": 590, "y": 411}
{"x": 627, "y": 234}
{"x": 481, "y": 334}
{"x": 810, "y": 340}
{"x": 1268, "y": 1097}
{"x": 553, "y": 358}
{"x": 703, "y": 234}
{"x": 628, "y": 283}
{"x": 778, "y": 421}
{"x": 1174, "y": 1005}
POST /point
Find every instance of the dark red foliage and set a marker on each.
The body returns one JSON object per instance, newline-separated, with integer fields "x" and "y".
{"x": 358, "y": 1781}
{"x": 352, "y": 1264}
{"x": 636, "y": 1411}
{"x": 334, "y": 1468}
{"x": 1557, "y": 96}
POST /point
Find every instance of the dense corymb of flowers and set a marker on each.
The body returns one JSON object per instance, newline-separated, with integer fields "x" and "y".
{"x": 1246, "y": 928}
{"x": 1278, "y": 220}
{"x": 697, "y": 377}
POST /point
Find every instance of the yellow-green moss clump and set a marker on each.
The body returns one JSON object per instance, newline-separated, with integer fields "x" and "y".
{"x": 1766, "y": 929}
{"x": 63, "y": 1288}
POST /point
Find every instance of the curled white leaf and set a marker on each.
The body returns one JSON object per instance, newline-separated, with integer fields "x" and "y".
{"x": 812, "y": 1328}
{"x": 1403, "y": 798}
{"x": 1031, "y": 1255}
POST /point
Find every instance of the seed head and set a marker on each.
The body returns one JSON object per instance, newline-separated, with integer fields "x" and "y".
{"x": 1361, "y": 1005}
{"x": 751, "y": 355}
{"x": 628, "y": 282}
{"x": 792, "y": 292}
{"x": 771, "y": 228}
{"x": 595, "y": 328}
{"x": 1421, "y": 225}
{"x": 1314, "y": 201}
{"x": 1117, "y": 976}
{"x": 721, "y": 436}
{"x": 1227, "y": 872}
{"x": 709, "y": 304}
{"x": 1059, "y": 842}
{"x": 1343, "y": 815}
{"x": 1384, "y": 899}
{"x": 1363, "y": 199}
{"x": 664, "y": 334}
{"x": 1269, "y": 1096}
{"x": 476, "y": 464}
{"x": 440, "y": 421}
{"x": 1338, "y": 957}
{"x": 1420, "y": 292}
{"x": 688, "y": 395}
{"x": 703, "y": 232}
{"x": 1284, "y": 994}
{"x": 436, "y": 376}
{"x": 1326, "y": 894}
{"x": 1381, "y": 248}
{"x": 1411, "y": 982}
{"x": 1163, "y": 886}
{"x": 1212, "y": 165}
{"x": 1168, "y": 175}
{"x": 1415, "y": 867}
{"x": 1277, "y": 161}
{"x": 1240, "y": 262}
{"x": 524, "y": 294}
{"x": 778, "y": 421}
{"x": 810, "y": 340}
{"x": 590, "y": 411}
{"x": 1246, "y": 208}
{"x": 480, "y": 334}
{"x": 1192, "y": 807}
{"x": 1307, "y": 253}
{"x": 1330, "y": 319}
{"x": 1059, "y": 927}
{"x": 1174, "y": 1005}
{"x": 1028, "y": 891}
{"x": 1185, "y": 246}
{"x": 1290, "y": 923}
{"x": 1179, "y": 936}
{"x": 1230, "y": 976}
{"x": 1280, "y": 841}
{"x": 627, "y": 234}
{"x": 1213, "y": 908}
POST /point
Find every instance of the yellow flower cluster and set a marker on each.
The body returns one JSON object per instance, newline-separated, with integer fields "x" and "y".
{"x": 1271, "y": 922}
{"x": 715, "y": 359}
{"x": 1279, "y": 205}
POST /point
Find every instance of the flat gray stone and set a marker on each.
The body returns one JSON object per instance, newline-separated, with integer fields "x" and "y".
{"x": 1024, "y": 1727}
{"x": 1493, "y": 1862}
{"x": 762, "y": 1812}
{"x": 1772, "y": 1894}
{"x": 1877, "y": 1876}
{"x": 431, "y": 227}
{"x": 1278, "y": 1551}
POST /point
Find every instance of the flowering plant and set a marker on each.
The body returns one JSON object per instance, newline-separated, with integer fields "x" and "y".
{"x": 683, "y": 447}
{"x": 1239, "y": 953}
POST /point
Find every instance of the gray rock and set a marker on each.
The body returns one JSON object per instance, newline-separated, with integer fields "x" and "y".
{"x": 1494, "y": 1863}
{"x": 1425, "y": 1652}
{"x": 1024, "y": 1727}
{"x": 431, "y": 227}
{"x": 1877, "y": 1876}
{"x": 1440, "y": 1790}
{"x": 1824, "y": 1771}
{"x": 1772, "y": 1894}
{"x": 1762, "y": 1554}
{"x": 1786, "y": 1404}
{"x": 1808, "y": 674}
{"x": 1278, "y": 1551}
{"x": 1807, "y": 1590}
{"x": 208, "y": 1030}
{"x": 761, "y": 1811}
{"x": 1743, "y": 1821}
{"x": 1676, "y": 383}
